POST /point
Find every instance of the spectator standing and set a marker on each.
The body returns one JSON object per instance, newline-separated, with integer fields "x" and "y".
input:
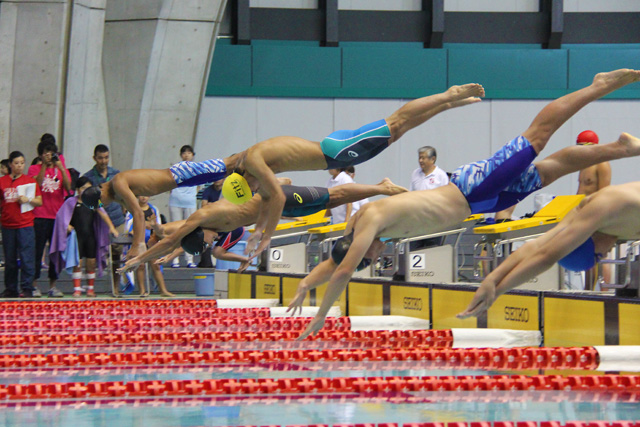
{"x": 91, "y": 239}
{"x": 343, "y": 212}
{"x": 53, "y": 180}
{"x": 212, "y": 193}
{"x": 428, "y": 176}
{"x": 182, "y": 203}
{"x": 99, "y": 174}
{"x": 19, "y": 194}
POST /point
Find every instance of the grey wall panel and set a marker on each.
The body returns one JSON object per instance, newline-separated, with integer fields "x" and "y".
{"x": 226, "y": 126}
{"x": 122, "y": 10}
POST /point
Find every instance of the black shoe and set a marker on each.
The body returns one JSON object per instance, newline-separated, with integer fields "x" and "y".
{"x": 27, "y": 294}
{"x": 8, "y": 293}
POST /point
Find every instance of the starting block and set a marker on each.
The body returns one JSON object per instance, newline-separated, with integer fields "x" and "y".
{"x": 497, "y": 240}
{"x": 288, "y": 252}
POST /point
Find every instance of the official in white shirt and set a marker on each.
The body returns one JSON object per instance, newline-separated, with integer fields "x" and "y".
{"x": 355, "y": 206}
{"x": 343, "y": 212}
{"x": 428, "y": 176}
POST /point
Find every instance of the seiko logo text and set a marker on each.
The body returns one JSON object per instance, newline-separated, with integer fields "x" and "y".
{"x": 516, "y": 314}
{"x": 412, "y": 303}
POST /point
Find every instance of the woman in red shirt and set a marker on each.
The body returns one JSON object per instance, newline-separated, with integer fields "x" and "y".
{"x": 19, "y": 194}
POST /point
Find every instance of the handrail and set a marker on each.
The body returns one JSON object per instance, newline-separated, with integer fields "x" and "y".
{"x": 429, "y": 236}
{"x": 626, "y": 261}
{"x": 495, "y": 245}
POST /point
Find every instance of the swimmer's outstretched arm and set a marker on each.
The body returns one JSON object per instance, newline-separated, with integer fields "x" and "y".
{"x": 221, "y": 253}
{"x": 273, "y": 200}
{"x": 319, "y": 275}
{"x": 122, "y": 190}
{"x": 105, "y": 218}
{"x": 362, "y": 240}
{"x": 533, "y": 258}
{"x": 166, "y": 245}
{"x": 166, "y": 258}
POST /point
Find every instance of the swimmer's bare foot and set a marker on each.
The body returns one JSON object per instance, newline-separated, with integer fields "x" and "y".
{"x": 463, "y": 102}
{"x": 456, "y": 93}
{"x": 389, "y": 188}
{"x": 631, "y": 143}
{"x": 167, "y": 294}
{"x": 608, "y": 82}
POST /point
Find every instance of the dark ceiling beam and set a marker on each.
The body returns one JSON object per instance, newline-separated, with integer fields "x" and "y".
{"x": 331, "y": 24}
{"x": 549, "y": 27}
{"x": 241, "y": 21}
{"x": 557, "y": 24}
{"x": 435, "y": 23}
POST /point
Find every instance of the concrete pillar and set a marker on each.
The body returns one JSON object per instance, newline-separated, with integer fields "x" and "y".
{"x": 33, "y": 40}
{"x": 86, "y": 113}
{"x": 156, "y": 61}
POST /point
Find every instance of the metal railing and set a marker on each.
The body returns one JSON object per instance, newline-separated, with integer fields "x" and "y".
{"x": 496, "y": 252}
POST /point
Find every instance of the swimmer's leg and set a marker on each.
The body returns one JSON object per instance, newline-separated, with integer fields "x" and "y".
{"x": 416, "y": 112}
{"x": 559, "y": 111}
{"x": 349, "y": 193}
{"x": 575, "y": 158}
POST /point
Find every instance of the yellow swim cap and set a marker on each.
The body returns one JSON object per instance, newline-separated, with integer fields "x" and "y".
{"x": 236, "y": 189}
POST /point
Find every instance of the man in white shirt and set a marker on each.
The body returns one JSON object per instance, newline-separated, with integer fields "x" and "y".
{"x": 343, "y": 212}
{"x": 428, "y": 176}
{"x": 355, "y": 206}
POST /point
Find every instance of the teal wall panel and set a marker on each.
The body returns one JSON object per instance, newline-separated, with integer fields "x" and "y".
{"x": 392, "y": 68}
{"x": 586, "y": 63}
{"x": 231, "y": 67}
{"x": 517, "y": 73}
{"x": 407, "y": 70}
{"x": 296, "y": 66}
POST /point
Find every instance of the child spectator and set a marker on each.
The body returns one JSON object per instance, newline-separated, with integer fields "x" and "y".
{"x": 5, "y": 168}
{"x": 19, "y": 194}
{"x": 151, "y": 218}
{"x": 89, "y": 229}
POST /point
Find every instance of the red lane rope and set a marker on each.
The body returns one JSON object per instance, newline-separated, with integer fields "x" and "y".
{"x": 441, "y": 338}
{"x": 76, "y": 390}
{"x": 499, "y": 358}
{"x": 103, "y": 304}
{"x": 79, "y": 313}
{"x": 218, "y": 324}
